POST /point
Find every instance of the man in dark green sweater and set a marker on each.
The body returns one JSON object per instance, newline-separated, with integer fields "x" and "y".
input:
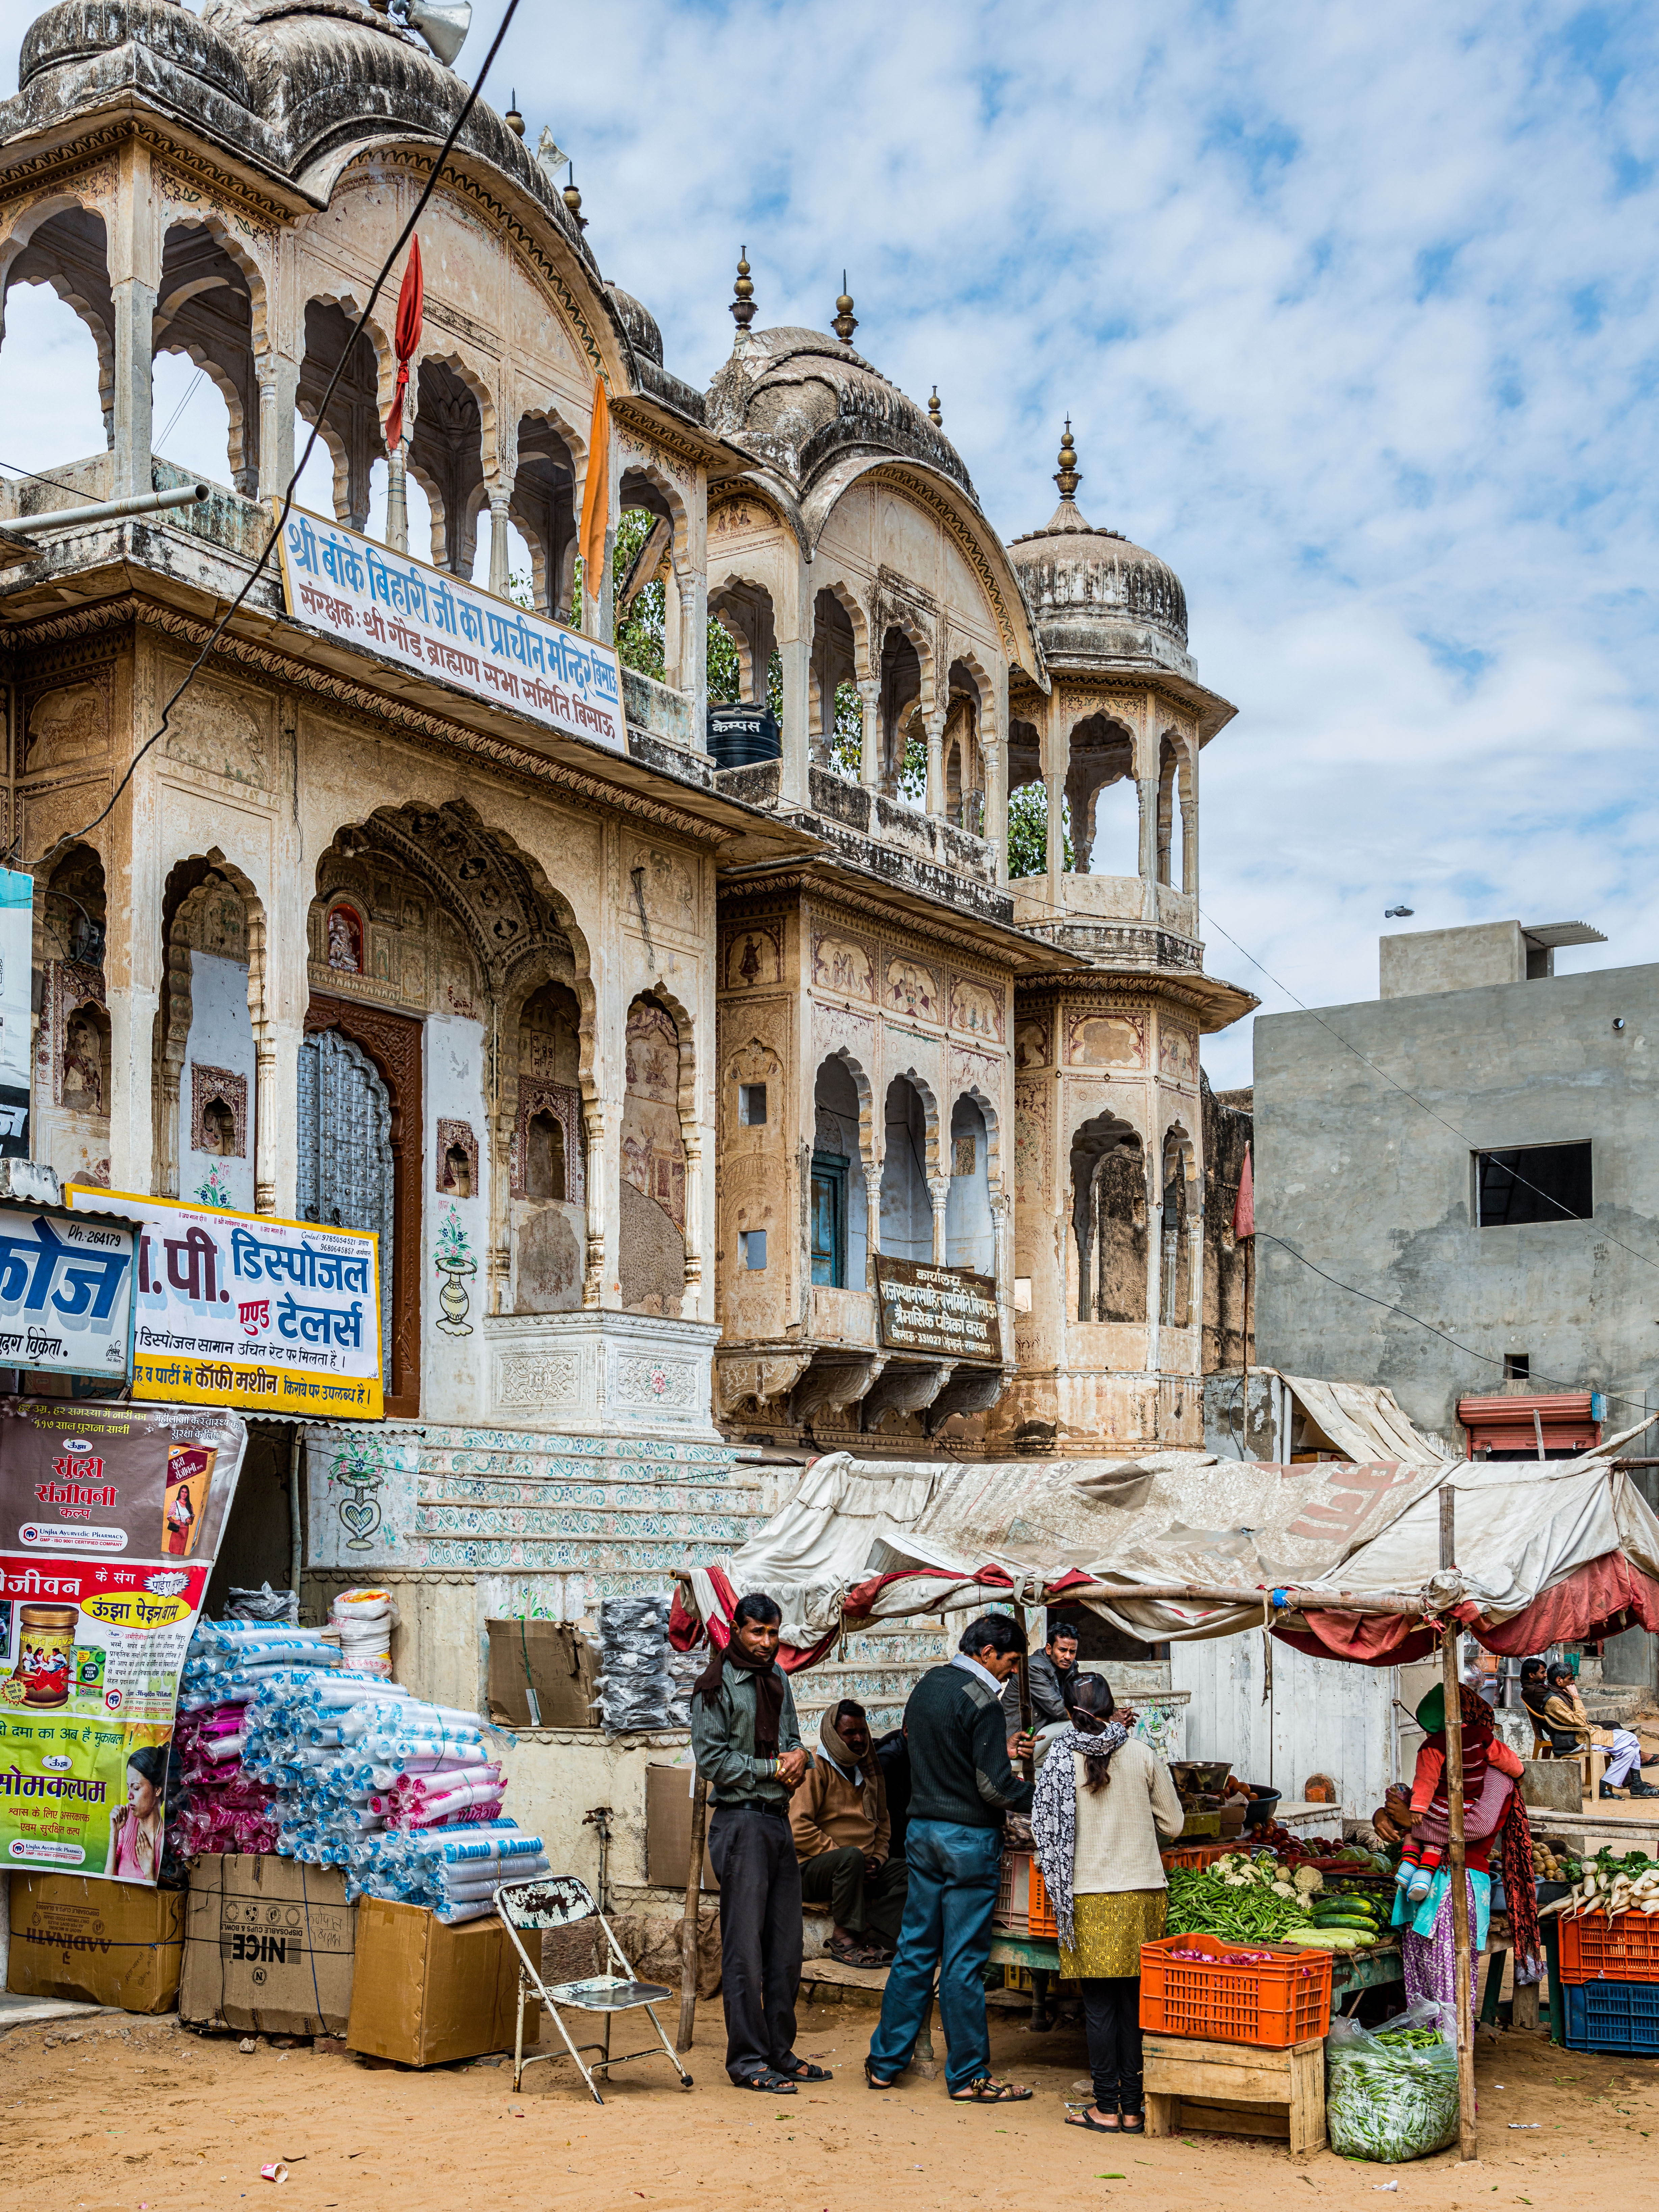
{"x": 961, "y": 1786}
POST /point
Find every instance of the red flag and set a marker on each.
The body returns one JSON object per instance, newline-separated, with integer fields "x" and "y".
{"x": 411, "y": 301}
{"x": 1244, "y": 1206}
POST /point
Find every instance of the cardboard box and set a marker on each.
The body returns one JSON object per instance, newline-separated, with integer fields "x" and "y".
{"x": 97, "y": 1943}
{"x": 550, "y": 1658}
{"x": 267, "y": 1947}
{"x": 426, "y": 1995}
{"x": 668, "y": 1829}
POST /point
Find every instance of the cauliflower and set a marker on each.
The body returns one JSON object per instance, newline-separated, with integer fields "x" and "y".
{"x": 1286, "y": 1889}
{"x": 1309, "y": 1881}
{"x": 1236, "y": 1881}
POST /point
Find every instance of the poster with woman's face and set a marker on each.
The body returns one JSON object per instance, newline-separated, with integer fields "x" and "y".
{"x": 184, "y": 1510}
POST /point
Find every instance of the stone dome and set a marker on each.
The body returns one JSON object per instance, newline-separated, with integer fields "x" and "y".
{"x": 644, "y": 334}
{"x": 1096, "y": 599}
{"x": 800, "y": 399}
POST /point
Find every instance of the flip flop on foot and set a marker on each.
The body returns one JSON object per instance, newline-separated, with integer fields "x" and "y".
{"x": 1107, "y": 2124}
{"x": 800, "y": 2069}
{"x": 986, "y": 2089}
{"x": 778, "y": 2084}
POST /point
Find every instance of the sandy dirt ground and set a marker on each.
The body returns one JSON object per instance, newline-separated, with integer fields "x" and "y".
{"x": 131, "y": 2115}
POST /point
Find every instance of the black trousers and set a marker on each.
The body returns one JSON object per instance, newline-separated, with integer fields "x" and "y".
{"x": 1111, "y": 2010}
{"x": 753, "y": 1855}
{"x": 872, "y": 1904}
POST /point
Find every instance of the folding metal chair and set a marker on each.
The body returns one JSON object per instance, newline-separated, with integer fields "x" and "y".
{"x": 560, "y": 1902}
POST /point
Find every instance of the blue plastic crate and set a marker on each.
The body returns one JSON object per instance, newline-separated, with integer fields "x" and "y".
{"x": 1621, "y": 2016}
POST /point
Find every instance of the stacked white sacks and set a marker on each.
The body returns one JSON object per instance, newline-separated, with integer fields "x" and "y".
{"x": 226, "y": 1808}
{"x": 365, "y": 1620}
{"x": 455, "y": 1872}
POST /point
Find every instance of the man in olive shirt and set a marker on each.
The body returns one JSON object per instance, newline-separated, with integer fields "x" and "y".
{"x": 747, "y": 1746}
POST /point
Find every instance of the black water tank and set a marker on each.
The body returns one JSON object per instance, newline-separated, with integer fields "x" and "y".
{"x": 738, "y": 737}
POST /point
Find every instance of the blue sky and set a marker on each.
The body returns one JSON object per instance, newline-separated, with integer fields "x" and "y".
{"x": 1354, "y": 314}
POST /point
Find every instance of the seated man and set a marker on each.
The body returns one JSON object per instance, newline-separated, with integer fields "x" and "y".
{"x": 1569, "y": 1727}
{"x": 841, "y": 1837}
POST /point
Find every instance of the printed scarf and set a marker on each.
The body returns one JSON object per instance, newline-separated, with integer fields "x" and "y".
{"x": 1054, "y": 1814}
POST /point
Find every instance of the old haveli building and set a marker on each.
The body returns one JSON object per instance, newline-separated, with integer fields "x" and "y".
{"x": 636, "y": 1063}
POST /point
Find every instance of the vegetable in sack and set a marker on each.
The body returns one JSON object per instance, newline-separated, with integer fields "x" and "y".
{"x": 1392, "y": 2095}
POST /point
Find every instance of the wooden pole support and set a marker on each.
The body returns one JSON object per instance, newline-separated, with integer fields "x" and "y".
{"x": 689, "y": 1928}
{"x": 1468, "y": 2145}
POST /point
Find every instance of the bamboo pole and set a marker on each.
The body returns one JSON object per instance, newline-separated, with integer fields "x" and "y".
{"x": 689, "y": 1928}
{"x": 1468, "y": 2145}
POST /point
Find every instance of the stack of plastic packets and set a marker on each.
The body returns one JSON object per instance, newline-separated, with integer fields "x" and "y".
{"x": 296, "y": 1745}
{"x": 454, "y": 1871}
{"x": 226, "y": 1806}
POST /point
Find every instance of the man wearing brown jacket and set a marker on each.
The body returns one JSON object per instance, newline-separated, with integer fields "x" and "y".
{"x": 843, "y": 1834}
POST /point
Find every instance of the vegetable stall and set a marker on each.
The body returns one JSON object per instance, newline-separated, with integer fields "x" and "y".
{"x": 1369, "y": 1564}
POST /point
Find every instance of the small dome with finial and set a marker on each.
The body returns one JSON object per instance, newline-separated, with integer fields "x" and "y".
{"x": 1098, "y": 600}
{"x": 744, "y": 303}
{"x": 846, "y": 321}
{"x": 935, "y": 412}
{"x": 572, "y": 200}
{"x": 513, "y": 120}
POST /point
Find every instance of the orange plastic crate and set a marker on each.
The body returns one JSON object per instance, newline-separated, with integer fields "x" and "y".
{"x": 1284, "y": 2002}
{"x": 1620, "y": 1946}
{"x": 1196, "y": 1855}
{"x": 1022, "y": 1904}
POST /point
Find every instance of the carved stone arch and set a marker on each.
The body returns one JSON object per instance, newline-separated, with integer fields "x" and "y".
{"x": 235, "y": 248}
{"x": 189, "y": 883}
{"x": 376, "y": 331}
{"x": 79, "y": 278}
{"x": 635, "y": 463}
{"x": 869, "y": 1151}
{"x": 1178, "y": 1200}
{"x": 242, "y": 456}
{"x": 930, "y": 1108}
{"x": 993, "y": 1122}
{"x": 857, "y": 614}
{"x": 746, "y": 609}
{"x": 1176, "y": 786}
{"x": 1107, "y": 1143}
{"x": 476, "y": 379}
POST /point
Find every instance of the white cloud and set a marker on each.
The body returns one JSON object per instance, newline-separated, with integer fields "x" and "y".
{"x": 1354, "y": 314}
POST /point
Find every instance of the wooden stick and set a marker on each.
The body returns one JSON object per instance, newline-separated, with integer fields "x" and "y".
{"x": 1330, "y": 1601}
{"x": 1468, "y": 2147}
{"x": 689, "y": 1928}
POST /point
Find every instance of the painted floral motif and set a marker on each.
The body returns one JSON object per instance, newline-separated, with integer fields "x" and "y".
{"x": 359, "y": 1467}
{"x": 212, "y": 1190}
{"x": 453, "y": 1258}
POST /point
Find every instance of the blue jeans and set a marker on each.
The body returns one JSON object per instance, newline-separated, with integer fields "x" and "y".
{"x": 954, "y": 1871}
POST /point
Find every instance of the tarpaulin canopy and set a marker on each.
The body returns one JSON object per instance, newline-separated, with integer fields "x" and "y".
{"x": 1342, "y": 1557}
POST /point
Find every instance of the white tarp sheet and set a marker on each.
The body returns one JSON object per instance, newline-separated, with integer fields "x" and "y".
{"x": 1182, "y": 1518}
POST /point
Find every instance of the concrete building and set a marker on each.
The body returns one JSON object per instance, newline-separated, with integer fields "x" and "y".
{"x": 1457, "y": 1189}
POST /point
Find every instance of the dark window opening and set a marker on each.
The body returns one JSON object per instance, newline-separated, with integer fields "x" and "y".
{"x": 1534, "y": 1182}
{"x": 544, "y": 1175}
{"x": 752, "y": 1105}
{"x": 1517, "y": 1366}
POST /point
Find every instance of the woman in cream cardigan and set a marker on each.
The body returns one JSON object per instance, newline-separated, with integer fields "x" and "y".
{"x": 1103, "y": 1801}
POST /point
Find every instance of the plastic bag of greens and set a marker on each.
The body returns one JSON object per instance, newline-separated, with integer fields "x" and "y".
{"x": 1391, "y": 2093}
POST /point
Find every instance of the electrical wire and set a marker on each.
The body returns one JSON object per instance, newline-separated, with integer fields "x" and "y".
{"x": 74, "y": 836}
{"x": 173, "y": 419}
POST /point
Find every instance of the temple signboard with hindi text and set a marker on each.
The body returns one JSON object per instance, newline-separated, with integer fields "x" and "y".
{"x": 242, "y": 1309}
{"x": 386, "y": 604}
{"x": 945, "y": 1312}
{"x": 65, "y": 1295}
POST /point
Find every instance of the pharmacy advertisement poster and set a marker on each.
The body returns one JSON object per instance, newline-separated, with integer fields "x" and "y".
{"x": 243, "y": 1310}
{"x": 110, "y": 1517}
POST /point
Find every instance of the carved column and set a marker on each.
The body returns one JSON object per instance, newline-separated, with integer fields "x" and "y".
{"x": 939, "y": 1189}
{"x": 501, "y": 1134}
{"x": 870, "y": 749}
{"x": 170, "y": 1070}
{"x": 796, "y": 655}
{"x": 933, "y": 723}
{"x": 1054, "y": 786}
{"x": 279, "y": 381}
{"x": 498, "y": 549}
{"x": 691, "y": 1301}
{"x": 1154, "y": 1254}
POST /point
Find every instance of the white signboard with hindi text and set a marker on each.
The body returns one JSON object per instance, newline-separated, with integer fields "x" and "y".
{"x": 404, "y": 612}
{"x": 242, "y": 1309}
{"x": 65, "y": 1294}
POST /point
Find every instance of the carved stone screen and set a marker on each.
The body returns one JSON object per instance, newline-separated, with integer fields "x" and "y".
{"x": 345, "y": 1152}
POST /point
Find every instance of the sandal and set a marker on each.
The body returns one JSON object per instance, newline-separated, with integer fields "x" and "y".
{"x": 853, "y": 1955}
{"x": 1094, "y": 2127}
{"x": 871, "y": 2081}
{"x": 1134, "y": 2124}
{"x": 800, "y": 2069}
{"x": 778, "y": 2084}
{"x": 986, "y": 2089}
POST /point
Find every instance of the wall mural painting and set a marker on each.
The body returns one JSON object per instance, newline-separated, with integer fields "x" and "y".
{"x": 213, "y": 1190}
{"x": 1031, "y": 1144}
{"x": 1031, "y": 1042}
{"x": 1177, "y": 1054}
{"x": 913, "y": 989}
{"x": 653, "y": 1156}
{"x": 1106, "y": 1041}
{"x": 453, "y": 1258}
{"x": 754, "y": 956}
{"x": 976, "y": 1009}
{"x": 843, "y": 965}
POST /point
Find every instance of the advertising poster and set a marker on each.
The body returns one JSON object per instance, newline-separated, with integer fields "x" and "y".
{"x": 245, "y": 1311}
{"x": 16, "y": 970}
{"x": 65, "y": 1294}
{"x": 385, "y": 603}
{"x": 110, "y": 1520}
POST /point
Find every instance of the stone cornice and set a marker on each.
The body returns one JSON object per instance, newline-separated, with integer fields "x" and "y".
{"x": 18, "y": 178}
{"x": 361, "y": 703}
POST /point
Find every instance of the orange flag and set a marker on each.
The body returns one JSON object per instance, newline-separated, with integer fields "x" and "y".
{"x": 596, "y": 493}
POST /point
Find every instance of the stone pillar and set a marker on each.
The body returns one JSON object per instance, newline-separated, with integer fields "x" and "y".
{"x": 1147, "y": 788}
{"x": 796, "y": 655}
{"x": 499, "y": 495}
{"x": 691, "y": 1299}
{"x": 135, "y": 313}
{"x": 396, "y": 498}
{"x": 939, "y": 1189}
{"x": 873, "y": 1210}
{"x": 933, "y": 723}
{"x": 502, "y": 1134}
{"x": 1189, "y": 833}
{"x": 870, "y": 750}
{"x": 279, "y": 381}
{"x": 1154, "y": 1255}
{"x": 1054, "y": 786}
